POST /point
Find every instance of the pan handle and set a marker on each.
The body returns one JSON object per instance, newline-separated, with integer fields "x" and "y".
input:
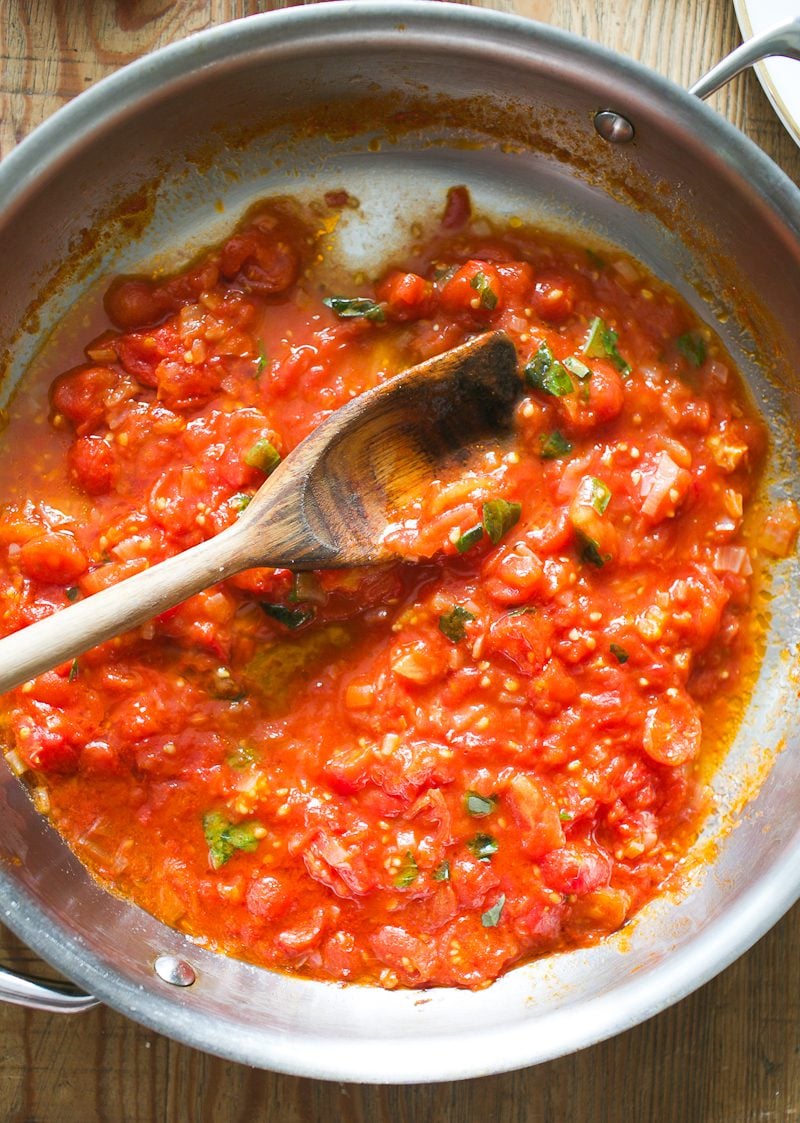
{"x": 782, "y": 40}
{"x": 43, "y": 994}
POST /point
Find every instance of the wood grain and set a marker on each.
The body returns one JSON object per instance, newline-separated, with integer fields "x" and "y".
{"x": 730, "y": 1053}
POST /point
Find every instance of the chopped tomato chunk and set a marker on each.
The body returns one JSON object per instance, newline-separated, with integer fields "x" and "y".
{"x": 92, "y": 465}
{"x": 53, "y": 557}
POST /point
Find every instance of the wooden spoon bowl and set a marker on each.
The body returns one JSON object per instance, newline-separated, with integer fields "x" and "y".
{"x": 327, "y": 505}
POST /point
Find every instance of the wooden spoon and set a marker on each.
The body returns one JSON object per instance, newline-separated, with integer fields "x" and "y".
{"x": 326, "y": 505}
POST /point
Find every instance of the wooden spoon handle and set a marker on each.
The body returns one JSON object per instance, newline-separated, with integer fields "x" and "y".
{"x": 73, "y": 630}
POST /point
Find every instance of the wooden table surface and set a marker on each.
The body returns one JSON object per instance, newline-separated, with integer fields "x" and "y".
{"x": 728, "y": 1053}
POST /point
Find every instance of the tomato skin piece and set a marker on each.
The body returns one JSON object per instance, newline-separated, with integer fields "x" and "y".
{"x": 575, "y": 869}
{"x": 51, "y": 687}
{"x": 541, "y": 921}
{"x": 537, "y": 816}
{"x": 305, "y": 935}
{"x": 99, "y": 757}
{"x": 341, "y": 956}
{"x": 672, "y": 731}
{"x": 473, "y": 881}
{"x": 516, "y": 280}
{"x": 133, "y": 302}
{"x": 406, "y": 954}
{"x": 606, "y": 393}
{"x": 458, "y": 208}
{"x": 267, "y": 898}
{"x": 183, "y": 385}
{"x": 523, "y": 638}
{"x": 263, "y": 262}
{"x": 553, "y": 298}
{"x": 92, "y": 465}
{"x": 605, "y": 398}
{"x": 103, "y": 576}
{"x": 459, "y": 294}
{"x": 54, "y": 721}
{"x": 347, "y": 770}
{"x": 419, "y": 663}
{"x": 483, "y": 952}
{"x": 512, "y": 575}
{"x": 405, "y": 296}
{"x": 140, "y": 353}
{"x": 187, "y": 288}
{"x": 79, "y": 395}
{"x": 54, "y": 557}
{"x": 175, "y": 498}
{"x": 341, "y": 869}
{"x": 46, "y": 750}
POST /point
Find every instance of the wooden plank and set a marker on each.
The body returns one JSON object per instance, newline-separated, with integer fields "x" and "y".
{"x": 730, "y": 1052}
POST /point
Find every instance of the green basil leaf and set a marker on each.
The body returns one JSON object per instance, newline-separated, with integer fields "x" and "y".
{"x": 599, "y": 494}
{"x": 590, "y": 551}
{"x": 453, "y": 623}
{"x": 554, "y": 446}
{"x": 491, "y": 918}
{"x": 469, "y": 538}
{"x": 73, "y": 671}
{"x": 72, "y": 593}
{"x": 289, "y": 617}
{"x": 479, "y": 806}
{"x": 619, "y": 653}
{"x": 693, "y": 347}
{"x": 483, "y": 286}
{"x": 482, "y": 846}
{"x": 593, "y": 344}
{"x": 243, "y": 837}
{"x": 601, "y": 342}
{"x": 264, "y": 456}
{"x": 243, "y": 756}
{"x": 442, "y": 871}
{"x": 409, "y": 871}
{"x": 355, "y": 307}
{"x": 499, "y": 515}
{"x": 240, "y": 501}
{"x": 224, "y": 838}
{"x": 545, "y": 373}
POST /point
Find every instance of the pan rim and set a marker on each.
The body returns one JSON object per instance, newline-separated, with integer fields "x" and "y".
{"x": 36, "y": 157}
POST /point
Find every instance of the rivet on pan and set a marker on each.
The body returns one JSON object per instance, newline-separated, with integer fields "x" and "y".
{"x": 613, "y": 127}
{"x": 175, "y": 971}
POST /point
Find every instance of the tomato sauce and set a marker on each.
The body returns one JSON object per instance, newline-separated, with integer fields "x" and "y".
{"x": 423, "y": 773}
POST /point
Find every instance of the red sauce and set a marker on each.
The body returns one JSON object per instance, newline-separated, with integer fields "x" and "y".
{"x": 418, "y": 774}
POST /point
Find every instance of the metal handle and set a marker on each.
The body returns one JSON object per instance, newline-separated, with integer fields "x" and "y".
{"x": 782, "y": 40}
{"x": 43, "y": 994}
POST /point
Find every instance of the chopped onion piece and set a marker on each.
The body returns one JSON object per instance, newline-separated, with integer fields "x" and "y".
{"x": 779, "y": 532}
{"x": 655, "y": 489}
{"x": 626, "y": 269}
{"x": 732, "y": 559}
{"x": 717, "y": 372}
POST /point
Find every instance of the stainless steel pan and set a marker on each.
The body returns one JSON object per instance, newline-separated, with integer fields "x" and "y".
{"x": 397, "y": 102}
